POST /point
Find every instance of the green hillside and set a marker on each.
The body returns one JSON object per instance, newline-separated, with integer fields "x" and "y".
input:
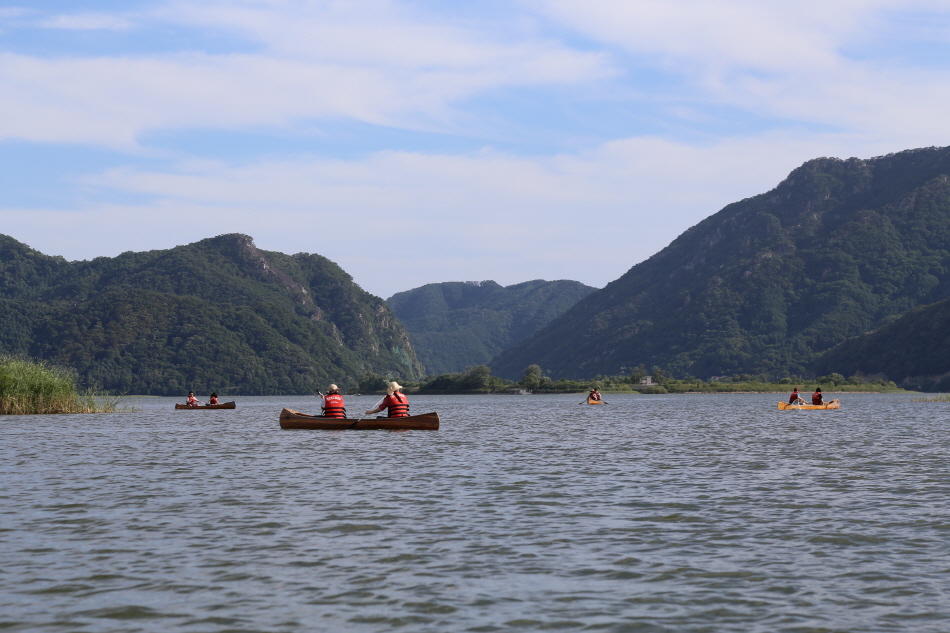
{"x": 768, "y": 283}
{"x": 219, "y": 314}
{"x": 913, "y": 350}
{"x": 456, "y": 325}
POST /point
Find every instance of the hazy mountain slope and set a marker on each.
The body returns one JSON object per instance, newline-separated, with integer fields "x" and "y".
{"x": 217, "y": 314}
{"x": 913, "y": 350}
{"x": 456, "y": 325}
{"x": 767, "y": 283}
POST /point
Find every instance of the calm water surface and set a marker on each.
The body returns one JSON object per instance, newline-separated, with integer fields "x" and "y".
{"x": 523, "y": 513}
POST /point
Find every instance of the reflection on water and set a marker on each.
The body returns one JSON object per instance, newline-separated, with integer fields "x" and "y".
{"x": 652, "y": 513}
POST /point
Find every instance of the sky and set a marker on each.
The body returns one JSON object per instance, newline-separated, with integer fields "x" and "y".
{"x": 417, "y": 141}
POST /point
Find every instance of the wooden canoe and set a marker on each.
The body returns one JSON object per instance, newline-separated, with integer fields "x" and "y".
{"x": 592, "y": 401}
{"x": 784, "y": 406}
{"x": 223, "y": 405}
{"x": 290, "y": 419}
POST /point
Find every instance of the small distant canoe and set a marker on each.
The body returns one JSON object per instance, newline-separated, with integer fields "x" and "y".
{"x": 223, "y": 405}
{"x": 290, "y": 419}
{"x": 592, "y": 401}
{"x": 834, "y": 404}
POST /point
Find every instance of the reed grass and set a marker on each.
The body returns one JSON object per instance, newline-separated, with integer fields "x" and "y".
{"x": 28, "y": 386}
{"x": 940, "y": 397}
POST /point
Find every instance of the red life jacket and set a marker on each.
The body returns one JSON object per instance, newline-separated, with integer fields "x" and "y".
{"x": 398, "y": 406}
{"x": 333, "y": 406}
{"x": 792, "y": 399}
{"x": 816, "y": 398}
{"x": 213, "y": 400}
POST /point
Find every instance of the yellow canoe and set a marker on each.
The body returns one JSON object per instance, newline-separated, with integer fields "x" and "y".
{"x": 592, "y": 401}
{"x": 834, "y": 404}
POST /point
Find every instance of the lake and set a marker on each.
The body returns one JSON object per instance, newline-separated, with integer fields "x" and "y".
{"x": 523, "y": 513}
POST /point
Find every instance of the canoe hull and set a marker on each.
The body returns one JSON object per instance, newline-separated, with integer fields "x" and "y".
{"x": 589, "y": 401}
{"x": 784, "y": 406}
{"x": 223, "y": 405}
{"x": 290, "y": 419}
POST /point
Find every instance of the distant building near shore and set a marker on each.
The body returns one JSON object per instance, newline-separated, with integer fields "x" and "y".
{"x": 516, "y": 391}
{"x": 646, "y": 380}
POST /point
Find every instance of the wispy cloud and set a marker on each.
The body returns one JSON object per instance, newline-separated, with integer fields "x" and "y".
{"x": 359, "y": 61}
{"x": 87, "y": 22}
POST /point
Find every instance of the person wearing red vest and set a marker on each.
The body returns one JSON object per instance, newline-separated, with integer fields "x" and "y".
{"x": 396, "y": 402}
{"x": 816, "y": 397}
{"x": 333, "y": 403}
{"x": 795, "y": 398}
{"x": 192, "y": 400}
{"x": 214, "y": 398}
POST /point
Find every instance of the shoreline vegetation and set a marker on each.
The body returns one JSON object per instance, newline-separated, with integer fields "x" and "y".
{"x": 34, "y": 387}
{"x": 479, "y": 380}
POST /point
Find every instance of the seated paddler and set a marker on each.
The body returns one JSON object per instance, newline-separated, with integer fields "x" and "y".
{"x": 213, "y": 399}
{"x": 594, "y": 395}
{"x": 192, "y": 400}
{"x": 333, "y": 403}
{"x": 795, "y": 398}
{"x": 816, "y": 397}
{"x": 396, "y": 403}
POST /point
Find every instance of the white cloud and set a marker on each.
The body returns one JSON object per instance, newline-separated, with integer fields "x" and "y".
{"x": 87, "y": 22}
{"x": 779, "y": 60}
{"x": 327, "y": 62}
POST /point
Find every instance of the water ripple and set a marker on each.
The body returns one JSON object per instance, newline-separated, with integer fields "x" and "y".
{"x": 653, "y": 513}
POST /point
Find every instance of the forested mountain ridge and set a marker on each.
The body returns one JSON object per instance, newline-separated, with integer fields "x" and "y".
{"x": 216, "y": 314}
{"x": 768, "y": 283}
{"x": 458, "y": 324}
{"x": 913, "y": 350}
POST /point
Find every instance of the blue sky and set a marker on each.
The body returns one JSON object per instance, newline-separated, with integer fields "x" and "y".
{"x": 415, "y": 142}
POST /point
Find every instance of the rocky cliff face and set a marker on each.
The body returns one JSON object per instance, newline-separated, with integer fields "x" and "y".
{"x": 217, "y": 314}
{"x": 768, "y": 283}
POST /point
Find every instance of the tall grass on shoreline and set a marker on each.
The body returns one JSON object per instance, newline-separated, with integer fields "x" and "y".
{"x": 35, "y": 387}
{"x": 940, "y": 397}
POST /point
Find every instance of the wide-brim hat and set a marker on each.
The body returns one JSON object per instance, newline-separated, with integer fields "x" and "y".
{"x": 333, "y": 388}
{"x": 393, "y": 387}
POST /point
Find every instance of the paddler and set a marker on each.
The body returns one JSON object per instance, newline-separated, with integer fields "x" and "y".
{"x": 214, "y": 398}
{"x": 192, "y": 400}
{"x": 816, "y": 397}
{"x": 795, "y": 398}
{"x": 594, "y": 395}
{"x": 333, "y": 403}
{"x": 396, "y": 402}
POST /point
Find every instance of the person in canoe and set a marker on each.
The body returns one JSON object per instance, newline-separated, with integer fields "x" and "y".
{"x": 214, "y": 398}
{"x": 796, "y": 397}
{"x": 333, "y": 403}
{"x": 816, "y": 397}
{"x": 594, "y": 395}
{"x": 192, "y": 400}
{"x": 395, "y": 402}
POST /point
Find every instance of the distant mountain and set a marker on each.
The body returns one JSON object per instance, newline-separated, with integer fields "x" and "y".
{"x": 459, "y": 324}
{"x": 768, "y": 283}
{"x": 913, "y": 350}
{"x": 219, "y": 314}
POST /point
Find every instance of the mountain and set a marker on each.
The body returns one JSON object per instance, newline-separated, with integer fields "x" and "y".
{"x": 460, "y": 324}
{"x": 913, "y": 350}
{"x": 768, "y": 283}
{"x": 219, "y": 314}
